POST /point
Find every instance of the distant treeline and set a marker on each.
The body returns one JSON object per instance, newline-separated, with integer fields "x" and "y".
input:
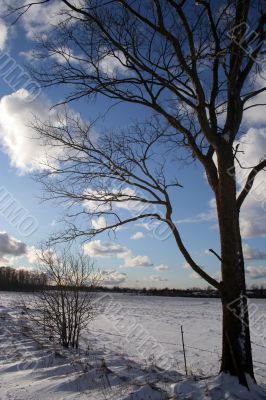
{"x": 24, "y": 280}
{"x": 193, "y": 292}
{"x": 21, "y": 279}
{"x": 254, "y": 292}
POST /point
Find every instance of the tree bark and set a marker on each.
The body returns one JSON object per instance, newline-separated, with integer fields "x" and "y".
{"x": 236, "y": 349}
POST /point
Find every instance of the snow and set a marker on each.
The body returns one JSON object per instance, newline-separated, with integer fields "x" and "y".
{"x": 221, "y": 387}
{"x": 131, "y": 351}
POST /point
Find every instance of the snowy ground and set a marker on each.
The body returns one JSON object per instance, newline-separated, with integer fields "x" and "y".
{"x": 131, "y": 351}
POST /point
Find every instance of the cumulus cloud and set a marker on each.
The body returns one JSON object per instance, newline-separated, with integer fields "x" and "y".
{"x": 97, "y": 248}
{"x": 101, "y": 200}
{"x": 110, "y": 65}
{"x": 9, "y": 246}
{"x": 113, "y": 277}
{"x": 256, "y": 272}
{"x": 33, "y": 55}
{"x": 99, "y": 223}
{"x": 113, "y": 64}
{"x": 253, "y": 216}
{"x": 52, "y": 15}
{"x": 137, "y": 236}
{"x": 131, "y": 261}
{"x": 252, "y": 149}
{"x": 161, "y": 268}
{"x": 33, "y": 254}
{"x": 3, "y": 35}
{"x": 256, "y": 115}
{"x": 251, "y": 253}
{"x": 18, "y": 139}
{"x": 251, "y": 224}
{"x": 64, "y": 55}
{"x": 96, "y": 201}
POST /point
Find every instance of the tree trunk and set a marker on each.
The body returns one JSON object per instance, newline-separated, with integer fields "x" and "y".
{"x": 236, "y": 351}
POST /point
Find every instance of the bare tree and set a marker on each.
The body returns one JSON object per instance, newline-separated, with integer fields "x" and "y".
{"x": 191, "y": 63}
{"x": 64, "y": 307}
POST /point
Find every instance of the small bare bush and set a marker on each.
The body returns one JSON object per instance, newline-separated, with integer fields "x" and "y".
{"x": 64, "y": 307}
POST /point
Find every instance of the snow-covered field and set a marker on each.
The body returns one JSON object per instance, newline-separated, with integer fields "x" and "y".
{"x": 131, "y": 351}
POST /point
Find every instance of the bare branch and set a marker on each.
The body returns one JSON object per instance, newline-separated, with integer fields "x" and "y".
{"x": 216, "y": 254}
{"x": 249, "y": 183}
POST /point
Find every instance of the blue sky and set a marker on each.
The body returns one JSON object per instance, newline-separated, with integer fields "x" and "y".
{"x": 139, "y": 259}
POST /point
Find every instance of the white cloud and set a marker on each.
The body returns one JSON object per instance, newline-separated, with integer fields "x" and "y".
{"x": 194, "y": 275}
{"x": 3, "y": 35}
{"x": 251, "y": 253}
{"x": 64, "y": 55}
{"x": 137, "y": 236}
{"x": 51, "y": 15}
{"x": 252, "y": 147}
{"x": 161, "y": 268}
{"x": 251, "y": 224}
{"x": 99, "y": 223}
{"x": 207, "y": 216}
{"x": 125, "y": 196}
{"x": 18, "y": 139}
{"x": 29, "y": 55}
{"x": 33, "y": 254}
{"x": 33, "y": 55}
{"x": 4, "y": 262}
{"x": 186, "y": 265}
{"x": 155, "y": 278}
{"x": 256, "y": 272}
{"x": 112, "y": 65}
{"x": 97, "y": 201}
{"x": 253, "y": 216}
{"x": 131, "y": 261}
{"x": 113, "y": 277}
{"x": 9, "y": 246}
{"x": 149, "y": 226}
{"x": 216, "y": 275}
{"x": 101, "y": 200}
{"x": 97, "y": 248}
{"x": 257, "y": 115}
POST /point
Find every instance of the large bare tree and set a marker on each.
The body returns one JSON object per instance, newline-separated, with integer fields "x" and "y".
{"x": 189, "y": 62}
